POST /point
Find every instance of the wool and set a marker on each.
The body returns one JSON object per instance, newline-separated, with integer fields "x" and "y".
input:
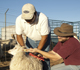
{"x": 21, "y": 61}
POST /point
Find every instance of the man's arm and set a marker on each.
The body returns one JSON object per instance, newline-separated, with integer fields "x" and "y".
{"x": 42, "y": 42}
{"x": 20, "y": 40}
{"x": 51, "y": 54}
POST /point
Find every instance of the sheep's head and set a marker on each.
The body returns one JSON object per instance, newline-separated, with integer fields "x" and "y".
{"x": 15, "y": 50}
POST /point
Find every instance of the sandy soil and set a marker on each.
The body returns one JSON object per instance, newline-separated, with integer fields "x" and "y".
{"x": 4, "y": 65}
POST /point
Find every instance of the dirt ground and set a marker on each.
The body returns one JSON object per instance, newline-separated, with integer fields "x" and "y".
{"x": 4, "y": 65}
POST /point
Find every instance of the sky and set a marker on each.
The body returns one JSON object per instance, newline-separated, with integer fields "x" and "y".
{"x": 66, "y": 10}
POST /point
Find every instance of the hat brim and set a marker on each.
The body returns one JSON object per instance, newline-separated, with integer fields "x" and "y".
{"x": 58, "y": 33}
{"x": 27, "y": 16}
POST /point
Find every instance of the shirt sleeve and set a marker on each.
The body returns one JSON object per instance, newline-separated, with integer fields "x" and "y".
{"x": 18, "y": 26}
{"x": 67, "y": 49}
{"x": 45, "y": 28}
{"x": 57, "y": 47}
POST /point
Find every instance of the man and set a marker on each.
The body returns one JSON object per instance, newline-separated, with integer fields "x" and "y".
{"x": 35, "y": 26}
{"x": 68, "y": 49}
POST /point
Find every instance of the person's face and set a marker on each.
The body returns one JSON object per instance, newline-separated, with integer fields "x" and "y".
{"x": 62, "y": 39}
{"x": 32, "y": 20}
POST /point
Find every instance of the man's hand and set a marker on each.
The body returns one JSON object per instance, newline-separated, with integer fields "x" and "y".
{"x": 24, "y": 47}
{"x": 40, "y": 55}
{"x": 31, "y": 50}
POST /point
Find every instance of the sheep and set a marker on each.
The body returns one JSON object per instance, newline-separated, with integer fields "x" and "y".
{"x": 21, "y": 61}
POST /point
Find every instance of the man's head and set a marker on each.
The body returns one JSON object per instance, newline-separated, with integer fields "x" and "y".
{"x": 64, "y": 32}
{"x": 28, "y": 13}
{"x": 63, "y": 38}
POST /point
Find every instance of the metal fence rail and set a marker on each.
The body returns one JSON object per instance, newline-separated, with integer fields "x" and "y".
{"x": 57, "y": 23}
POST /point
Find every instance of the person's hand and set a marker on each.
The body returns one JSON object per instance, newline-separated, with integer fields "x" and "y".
{"x": 31, "y": 50}
{"x": 26, "y": 50}
{"x": 24, "y": 47}
{"x": 40, "y": 55}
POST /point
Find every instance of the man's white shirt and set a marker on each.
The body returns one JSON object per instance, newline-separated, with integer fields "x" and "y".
{"x": 33, "y": 31}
